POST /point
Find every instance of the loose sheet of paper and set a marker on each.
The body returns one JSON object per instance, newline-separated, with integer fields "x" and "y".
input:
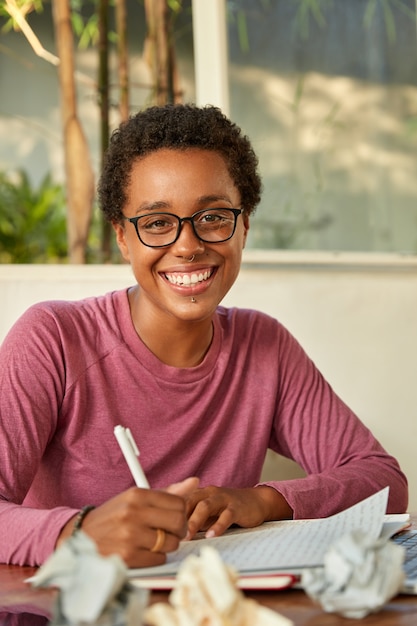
{"x": 284, "y": 545}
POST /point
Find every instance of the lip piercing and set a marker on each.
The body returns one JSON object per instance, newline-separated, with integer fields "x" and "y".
{"x": 191, "y": 259}
{"x": 193, "y": 299}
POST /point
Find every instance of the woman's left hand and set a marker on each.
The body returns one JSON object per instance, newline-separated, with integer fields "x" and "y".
{"x": 214, "y": 509}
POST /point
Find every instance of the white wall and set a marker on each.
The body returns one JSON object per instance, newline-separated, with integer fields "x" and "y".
{"x": 356, "y": 315}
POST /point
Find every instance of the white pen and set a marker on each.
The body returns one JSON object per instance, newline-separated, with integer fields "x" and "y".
{"x": 131, "y": 453}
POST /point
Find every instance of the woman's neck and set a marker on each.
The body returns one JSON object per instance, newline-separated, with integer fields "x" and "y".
{"x": 175, "y": 342}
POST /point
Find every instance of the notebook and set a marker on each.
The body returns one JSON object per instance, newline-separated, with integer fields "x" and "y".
{"x": 408, "y": 539}
{"x": 281, "y": 548}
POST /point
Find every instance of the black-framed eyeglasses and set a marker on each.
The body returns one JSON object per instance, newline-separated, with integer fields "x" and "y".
{"x": 158, "y": 230}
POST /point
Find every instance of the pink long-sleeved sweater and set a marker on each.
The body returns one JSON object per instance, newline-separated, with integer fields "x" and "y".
{"x": 71, "y": 371}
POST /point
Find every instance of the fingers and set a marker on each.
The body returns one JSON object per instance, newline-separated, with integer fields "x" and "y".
{"x": 140, "y": 525}
{"x": 213, "y": 526}
{"x": 155, "y": 509}
{"x": 214, "y": 509}
{"x": 213, "y": 512}
{"x": 160, "y": 540}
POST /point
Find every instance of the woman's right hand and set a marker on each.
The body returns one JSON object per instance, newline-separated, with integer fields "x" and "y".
{"x": 127, "y": 524}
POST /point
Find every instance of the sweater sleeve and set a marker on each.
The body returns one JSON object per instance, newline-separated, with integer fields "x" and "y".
{"x": 343, "y": 461}
{"x": 31, "y": 388}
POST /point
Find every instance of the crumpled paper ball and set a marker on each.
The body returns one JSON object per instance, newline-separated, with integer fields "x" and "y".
{"x": 92, "y": 589}
{"x": 360, "y": 575}
{"x": 206, "y": 594}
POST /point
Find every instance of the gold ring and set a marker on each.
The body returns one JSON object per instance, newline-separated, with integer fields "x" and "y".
{"x": 160, "y": 540}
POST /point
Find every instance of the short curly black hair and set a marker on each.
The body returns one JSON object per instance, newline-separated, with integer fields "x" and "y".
{"x": 177, "y": 127}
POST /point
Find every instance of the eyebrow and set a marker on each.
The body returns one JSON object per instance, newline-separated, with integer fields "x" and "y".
{"x": 213, "y": 198}
{"x": 161, "y": 205}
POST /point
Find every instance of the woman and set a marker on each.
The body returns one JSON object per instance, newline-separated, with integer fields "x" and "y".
{"x": 205, "y": 390}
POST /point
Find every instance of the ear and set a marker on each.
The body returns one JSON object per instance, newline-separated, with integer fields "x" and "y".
{"x": 246, "y": 226}
{"x": 120, "y": 231}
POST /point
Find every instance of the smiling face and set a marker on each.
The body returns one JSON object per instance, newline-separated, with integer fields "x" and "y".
{"x": 171, "y": 286}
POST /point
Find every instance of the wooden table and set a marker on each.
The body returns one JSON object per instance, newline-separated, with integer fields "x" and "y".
{"x": 22, "y": 605}
{"x": 26, "y": 603}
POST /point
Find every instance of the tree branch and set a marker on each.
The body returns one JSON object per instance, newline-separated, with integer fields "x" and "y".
{"x": 18, "y": 16}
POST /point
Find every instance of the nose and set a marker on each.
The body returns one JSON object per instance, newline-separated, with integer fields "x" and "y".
{"x": 188, "y": 243}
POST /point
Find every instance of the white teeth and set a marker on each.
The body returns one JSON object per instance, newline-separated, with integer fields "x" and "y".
{"x": 187, "y": 279}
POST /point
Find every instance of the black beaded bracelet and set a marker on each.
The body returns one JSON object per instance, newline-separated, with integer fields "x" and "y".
{"x": 80, "y": 517}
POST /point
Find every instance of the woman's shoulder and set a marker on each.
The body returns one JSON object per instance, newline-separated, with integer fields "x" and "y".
{"x": 60, "y": 317}
{"x": 91, "y": 305}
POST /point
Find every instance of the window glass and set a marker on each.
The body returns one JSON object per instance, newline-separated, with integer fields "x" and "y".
{"x": 326, "y": 90}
